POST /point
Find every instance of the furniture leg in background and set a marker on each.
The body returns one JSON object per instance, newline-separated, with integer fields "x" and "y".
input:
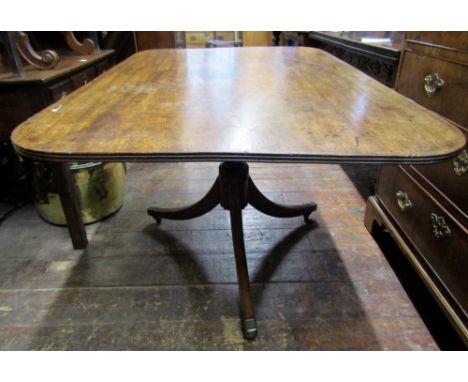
{"x": 68, "y": 192}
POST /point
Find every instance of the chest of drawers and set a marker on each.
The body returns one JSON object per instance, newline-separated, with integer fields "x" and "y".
{"x": 425, "y": 207}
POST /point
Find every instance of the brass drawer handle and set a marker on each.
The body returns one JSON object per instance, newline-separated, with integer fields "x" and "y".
{"x": 432, "y": 83}
{"x": 460, "y": 163}
{"x": 403, "y": 201}
{"x": 439, "y": 227}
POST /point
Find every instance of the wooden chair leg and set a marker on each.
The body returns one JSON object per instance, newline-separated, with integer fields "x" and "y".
{"x": 70, "y": 203}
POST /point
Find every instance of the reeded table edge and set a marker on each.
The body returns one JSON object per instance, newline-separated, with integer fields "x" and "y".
{"x": 223, "y": 157}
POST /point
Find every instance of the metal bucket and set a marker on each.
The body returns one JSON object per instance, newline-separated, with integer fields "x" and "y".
{"x": 101, "y": 189}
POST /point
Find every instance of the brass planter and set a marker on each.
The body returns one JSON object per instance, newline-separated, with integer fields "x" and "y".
{"x": 101, "y": 191}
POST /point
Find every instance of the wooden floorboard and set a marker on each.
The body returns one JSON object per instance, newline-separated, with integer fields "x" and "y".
{"x": 323, "y": 286}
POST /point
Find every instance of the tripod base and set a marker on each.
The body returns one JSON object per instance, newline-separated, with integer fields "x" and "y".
{"x": 234, "y": 189}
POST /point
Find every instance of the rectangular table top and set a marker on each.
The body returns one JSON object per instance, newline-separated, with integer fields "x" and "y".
{"x": 275, "y": 104}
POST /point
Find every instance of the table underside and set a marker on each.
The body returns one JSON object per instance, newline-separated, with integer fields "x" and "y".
{"x": 233, "y": 189}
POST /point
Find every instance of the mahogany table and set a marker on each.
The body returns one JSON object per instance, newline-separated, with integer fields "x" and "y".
{"x": 231, "y": 105}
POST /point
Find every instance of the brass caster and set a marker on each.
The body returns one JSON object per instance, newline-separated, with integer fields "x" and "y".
{"x": 155, "y": 217}
{"x": 249, "y": 328}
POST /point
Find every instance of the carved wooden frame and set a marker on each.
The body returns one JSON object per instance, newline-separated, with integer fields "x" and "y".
{"x": 84, "y": 48}
{"x": 47, "y": 59}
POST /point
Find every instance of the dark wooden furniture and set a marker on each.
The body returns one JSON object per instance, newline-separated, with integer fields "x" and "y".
{"x": 22, "y": 97}
{"x": 145, "y": 40}
{"x": 425, "y": 207}
{"x": 170, "y": 105}
{"x": 375, "y": 53}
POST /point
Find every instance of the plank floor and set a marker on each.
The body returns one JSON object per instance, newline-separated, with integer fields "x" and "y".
{"x": 139, "y": 286}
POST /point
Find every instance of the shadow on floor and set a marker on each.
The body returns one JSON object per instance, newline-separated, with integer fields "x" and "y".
{"x": 364, "y": 177}
{"x": 437, "y": 323}
{"x": 170, "y": 293}
{"x": 174, "y": 287}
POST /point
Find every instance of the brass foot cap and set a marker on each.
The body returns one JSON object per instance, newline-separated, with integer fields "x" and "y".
{"x": 249, "y": 328}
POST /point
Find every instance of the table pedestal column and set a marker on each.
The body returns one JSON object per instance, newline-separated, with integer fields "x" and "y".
{"x": 234, "y": 189}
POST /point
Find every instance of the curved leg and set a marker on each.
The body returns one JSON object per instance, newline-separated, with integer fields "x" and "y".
{"x": 206, "y": 204}
{"x": 233, "y": 189}
{"x": 85, "y": 47}
{"x": 47, "y": 59}
{"x": 233, "y": 179}
{"x": 249, "y": 324}
{"x": 265, "y": 205}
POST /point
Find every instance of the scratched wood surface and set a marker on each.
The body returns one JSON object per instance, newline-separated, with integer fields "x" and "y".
{"x": 142, "y": 286}
{"x": 263, "y": 104}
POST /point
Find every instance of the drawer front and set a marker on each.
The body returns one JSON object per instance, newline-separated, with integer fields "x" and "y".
{"x": 191, "y": 46}
{"x": 399, "y": 195}
{"x": 449, "y": 98}
{"x": 61, "y": 89}
{"x": 199, "y": 38}
{"x": 444, "y": 244}
{"x": 103, "y": 66}
{"x": 442, "y": 241}
{"x": 458, "y": 40}
{"x": 226, "y": 36}
{"x": 83, "y": 77}
{"x": 450, "y": 177}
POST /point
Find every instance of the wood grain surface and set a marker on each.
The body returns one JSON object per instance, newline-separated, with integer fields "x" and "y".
{"x": 273, "y": 104}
